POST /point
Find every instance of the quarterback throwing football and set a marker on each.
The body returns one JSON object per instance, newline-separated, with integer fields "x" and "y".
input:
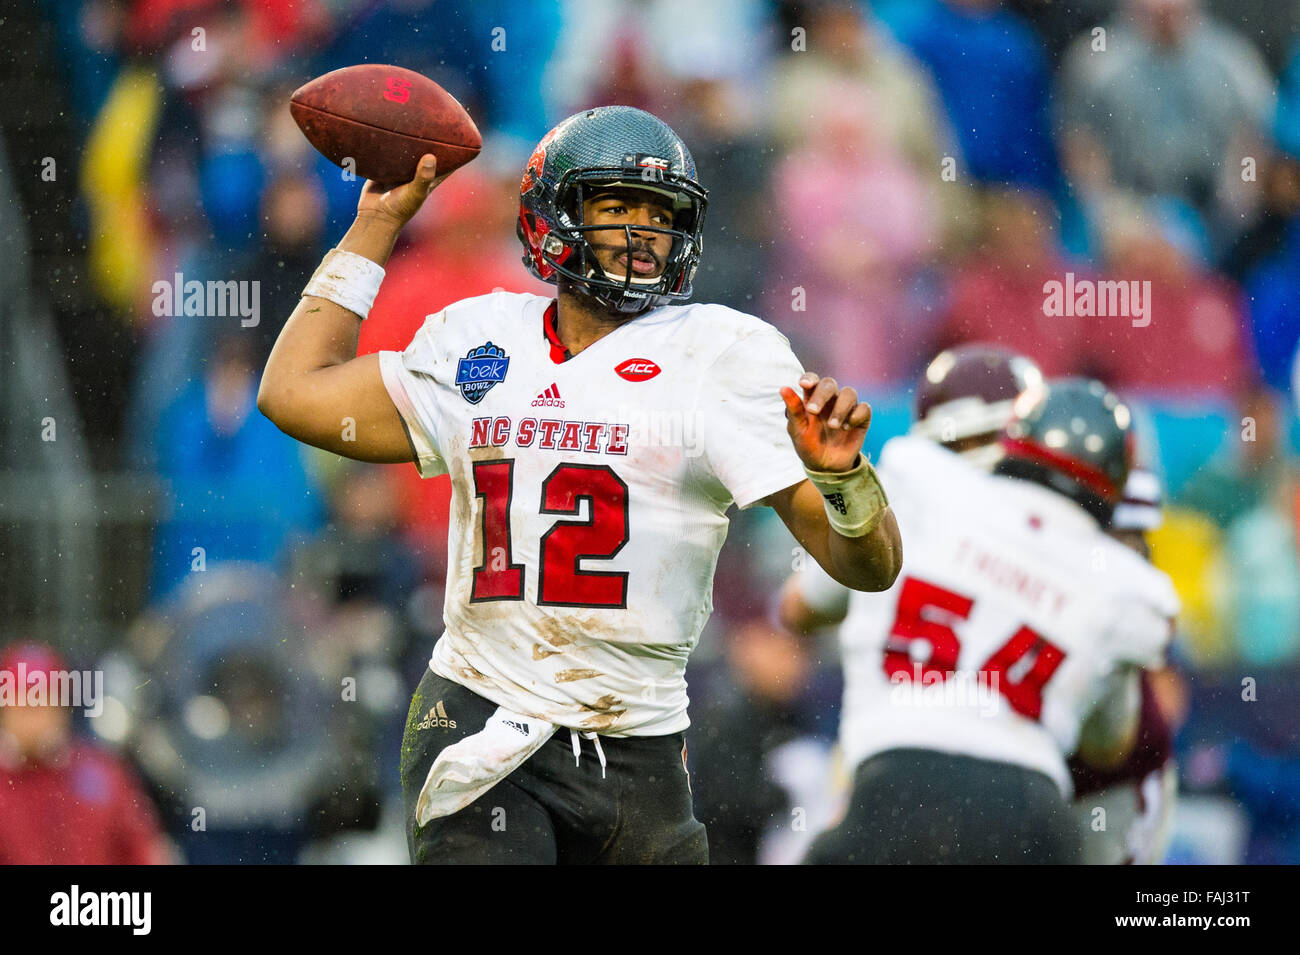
{"x": 582, "y": 543}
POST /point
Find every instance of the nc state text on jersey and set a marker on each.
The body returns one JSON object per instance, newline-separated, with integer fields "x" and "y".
{"x": 552, "y": 434}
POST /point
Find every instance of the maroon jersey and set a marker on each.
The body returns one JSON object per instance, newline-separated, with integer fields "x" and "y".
{"x": 1136, "y": 797}
{"x": 1152, "y": 750}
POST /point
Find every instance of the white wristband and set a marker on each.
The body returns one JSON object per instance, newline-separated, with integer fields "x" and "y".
{"x": 347, "y": 279}
{"x": 855, "y": 502}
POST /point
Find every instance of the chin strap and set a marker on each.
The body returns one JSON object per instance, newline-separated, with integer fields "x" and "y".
{"x": 633, "y": 283}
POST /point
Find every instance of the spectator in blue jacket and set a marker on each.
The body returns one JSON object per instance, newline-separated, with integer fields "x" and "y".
{"x": 993, "y": 76}
{"x": 237, "y": 489}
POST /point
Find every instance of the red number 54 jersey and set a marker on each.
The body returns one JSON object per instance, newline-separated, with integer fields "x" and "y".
{"x": 589, "y": 495}
{"x": 1011, "y": 610}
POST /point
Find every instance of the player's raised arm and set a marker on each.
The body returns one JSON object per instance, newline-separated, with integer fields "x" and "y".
{"x": 840, "y": 514}
{"x": 315, "y": 388}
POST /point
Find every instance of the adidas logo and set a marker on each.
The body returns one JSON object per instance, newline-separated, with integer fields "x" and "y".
{"x": 550, "y": 398}
{"x": 437, "y": 716}
{"x": 518, "y": 726}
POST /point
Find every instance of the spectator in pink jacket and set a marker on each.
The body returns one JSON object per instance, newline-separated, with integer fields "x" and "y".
{"x": 858, "y": 227}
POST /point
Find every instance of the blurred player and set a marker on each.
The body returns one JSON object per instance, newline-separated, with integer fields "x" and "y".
{"x": 1137, "y": 796}
{"x": 963, "y": 401}
{"x": 583, "y": 541}
{"x": 1011, "y": 639}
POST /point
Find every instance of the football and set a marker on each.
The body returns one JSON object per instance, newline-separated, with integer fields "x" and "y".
{"x": 379, "y": 120}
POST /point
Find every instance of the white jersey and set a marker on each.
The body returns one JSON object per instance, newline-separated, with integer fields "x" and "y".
{"x": 1011, "y": 609}
{"x": 589, "y": 495}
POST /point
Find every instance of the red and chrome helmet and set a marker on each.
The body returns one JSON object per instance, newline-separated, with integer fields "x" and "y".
{"x": 1074, "y": 436}
{"x": 599, "y": 148}
{"x": 966, "y": 396}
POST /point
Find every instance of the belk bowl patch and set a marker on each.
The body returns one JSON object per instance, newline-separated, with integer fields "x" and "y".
{"x": 478, "y": 371}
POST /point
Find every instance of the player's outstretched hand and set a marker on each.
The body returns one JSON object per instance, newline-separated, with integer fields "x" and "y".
{"x": 827, "y": 424}
{"x": 398, "y": 203}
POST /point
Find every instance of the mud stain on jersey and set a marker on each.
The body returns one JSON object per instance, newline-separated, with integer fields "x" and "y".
{"x": 603, "y": 721}
{"x": 541, "y": 653}
{"x": 456, "y": 446}
{"x": 464, "y": 505}
{"x": 578, "y": 673}
{"x": 603, "y": 713}
{"x": 469, "y": 673}
{"x": 555, "y": 631}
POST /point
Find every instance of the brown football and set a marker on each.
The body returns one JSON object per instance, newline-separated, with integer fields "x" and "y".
{"x": 382, "y": 119}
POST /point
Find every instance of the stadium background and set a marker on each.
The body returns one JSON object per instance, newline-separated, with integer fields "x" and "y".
{"x": 135, "y": 150}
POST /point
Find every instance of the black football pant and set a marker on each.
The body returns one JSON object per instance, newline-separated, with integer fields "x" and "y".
{"x": 552, "y": 809}
{"x": 916, "y": 806}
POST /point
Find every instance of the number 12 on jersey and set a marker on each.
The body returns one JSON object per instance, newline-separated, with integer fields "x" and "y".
{"x": 560, "y": 581}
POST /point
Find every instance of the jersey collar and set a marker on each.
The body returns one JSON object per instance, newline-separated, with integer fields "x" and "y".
{"x": 559, "y": 354}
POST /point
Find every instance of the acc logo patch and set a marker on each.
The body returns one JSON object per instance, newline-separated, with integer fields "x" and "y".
{"x": 651, "y": 167}
{"x": 480, "y": 370}
{"x": 637, "y": 369}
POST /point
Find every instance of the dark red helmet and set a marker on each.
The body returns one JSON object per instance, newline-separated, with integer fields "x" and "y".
{"x": 968, "y": 392}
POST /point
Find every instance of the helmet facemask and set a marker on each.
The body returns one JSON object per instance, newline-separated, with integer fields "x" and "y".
{"x": 568, "y": 250}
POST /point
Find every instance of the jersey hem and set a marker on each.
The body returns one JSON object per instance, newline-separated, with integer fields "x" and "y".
{"x": 676, "y": 725}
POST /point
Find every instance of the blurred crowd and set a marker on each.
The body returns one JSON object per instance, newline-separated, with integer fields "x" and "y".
{"x": 886, "y": 179}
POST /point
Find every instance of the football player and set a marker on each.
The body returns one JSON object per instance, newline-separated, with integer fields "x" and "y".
{"x": 1012, "y": 638}
{"x": 595, "y": 443}
{"x": 1137, "y": 797}
{"x": 963, "y": 401}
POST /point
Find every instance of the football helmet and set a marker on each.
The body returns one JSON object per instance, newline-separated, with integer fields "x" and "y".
{"x": 599, "y": 148}
{"x": 1074, "y": 436}
{"x": 967, "y": 393}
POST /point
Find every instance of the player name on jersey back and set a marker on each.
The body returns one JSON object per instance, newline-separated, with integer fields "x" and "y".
{"x": 1011, "y": 609}
{"x": 589, "y": 496}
